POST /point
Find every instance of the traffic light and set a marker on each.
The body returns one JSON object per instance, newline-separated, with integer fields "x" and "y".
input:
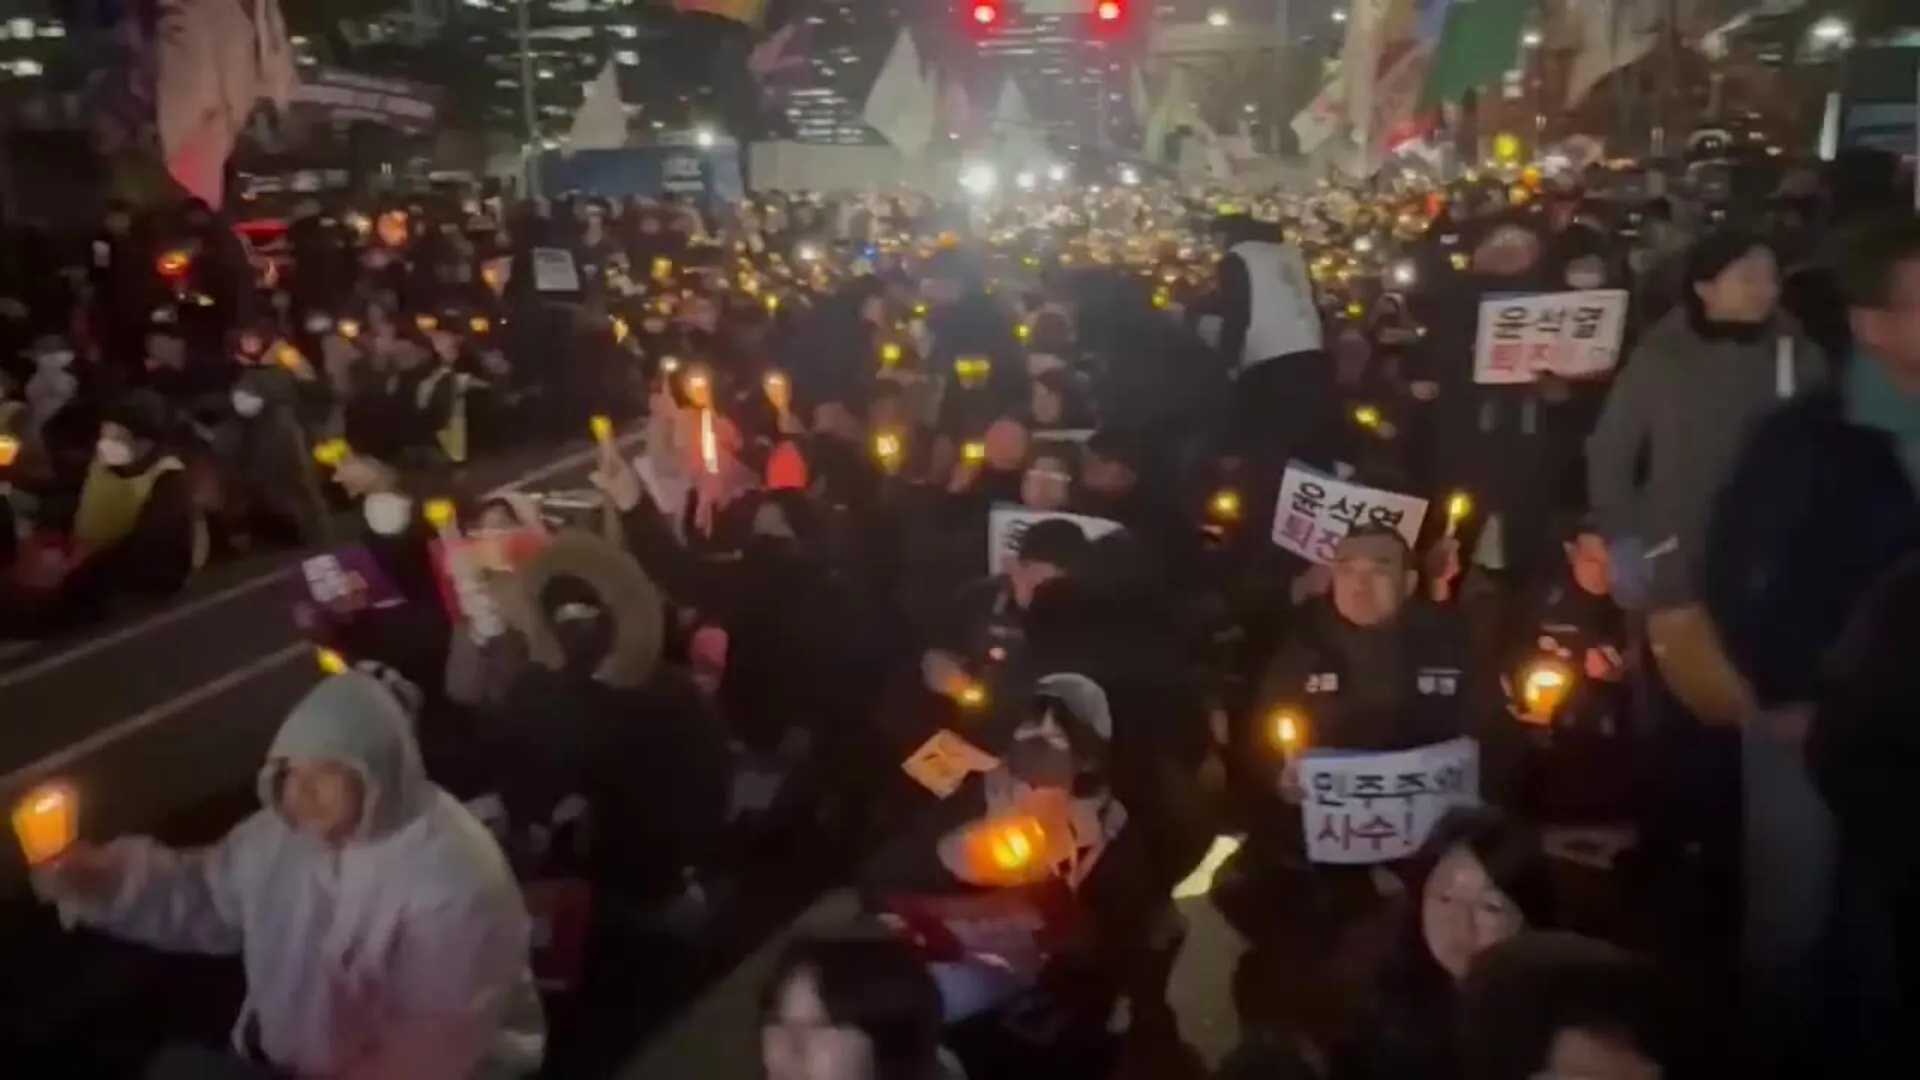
{"x": 1109, "y": 11}
{"x": 986, "y": 12}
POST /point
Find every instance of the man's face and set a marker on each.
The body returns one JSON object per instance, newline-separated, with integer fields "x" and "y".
{"x": 1893, "y": 335}
{"x": 1587, "y": 556}
{"x": 323, "y": 799}
{"x": 1368, "y": 588}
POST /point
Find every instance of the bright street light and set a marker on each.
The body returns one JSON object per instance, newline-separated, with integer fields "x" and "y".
{"x": 1832, "y": 31}
{"x": 1339, "y": 15}
{"x": 979, "y": 180}
{"x": 1218, "y": 19}
{"x": 1129, "y": 175}
{"x": 1531, "y": 39}
{"x": 1057, "y": 174}
{"x": 703, "y": 138}
{"x": 1026, "y": 181}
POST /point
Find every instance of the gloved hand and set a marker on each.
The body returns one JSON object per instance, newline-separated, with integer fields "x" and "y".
{"x": 1632, "y": 575}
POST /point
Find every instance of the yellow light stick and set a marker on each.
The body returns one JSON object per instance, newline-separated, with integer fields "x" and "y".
{"x": 330, "y": 662}
{"x": 1459, "y": 507}
{"x": 602, "y": 428}
{"x": 974, "y": 453}
{"x": 440, "y": 514}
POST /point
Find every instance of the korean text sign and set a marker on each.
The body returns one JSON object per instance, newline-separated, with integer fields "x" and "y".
{"x": 1316, "y": 511}
{"x": 1007, "y": 524}
{"x": 1374, "y": 808}
{"x": 1572, "y": 334}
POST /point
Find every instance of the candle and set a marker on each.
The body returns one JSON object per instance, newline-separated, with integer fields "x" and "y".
{"x": 46, "y": 822}
{"x": 331, "y": 662}
{"x": 1459, "y": 505}
{"x": 9, "y": 450}
{"x": 709, "y": 448}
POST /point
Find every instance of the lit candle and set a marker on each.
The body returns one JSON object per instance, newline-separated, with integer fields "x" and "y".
{"x": 9, "y": 450}
{"x": 602, "y": 428}
{"x": 709, "y": 447}
{"x": 46, "y": 822}
{"x": 440, "y": 514}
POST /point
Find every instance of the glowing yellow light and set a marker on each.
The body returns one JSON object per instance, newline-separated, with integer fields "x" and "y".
{"x": 1225, "y": 505}
{"x": 889, "y": 354}
{"x": 973, "y": 696}
{"x": 1367, "y": 416}
{"x": 9, "y": 450}
{"x": 331, "y": 662}
{"x": 427, "y": 323}
{"x": 602, "y": 428}
{"x": 973, "y": 453}
{"x": 348, "y": 328}
{"x": 1287, "y": 729}
{"x": 479, "y": 324}
{"x": 439, "y": 513}
{"x": 46, "y": 821}
{"x": 331, "y": 452}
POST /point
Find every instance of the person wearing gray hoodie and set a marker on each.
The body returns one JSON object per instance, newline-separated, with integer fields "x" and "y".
{"x": 1687, "y": 398}
{"x": 382, "y": 932}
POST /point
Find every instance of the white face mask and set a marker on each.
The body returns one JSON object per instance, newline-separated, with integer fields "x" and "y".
{"x": 318, "y": 324}
{"x": 387, "y": 513}
{"x": 1583, "y": 278}
{"x": 247, "y": 404}
{"x": 113, "y": 453}
{"x": 53, "y": 361}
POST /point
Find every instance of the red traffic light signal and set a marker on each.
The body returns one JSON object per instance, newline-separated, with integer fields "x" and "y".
{"x": 986, "y": 13}
{"x": 1109, "y": 11}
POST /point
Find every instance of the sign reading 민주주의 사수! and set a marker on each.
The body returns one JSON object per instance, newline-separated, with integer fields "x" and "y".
{"x": 1360, "y": 808}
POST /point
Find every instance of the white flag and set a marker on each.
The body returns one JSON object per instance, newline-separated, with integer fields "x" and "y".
{"x": 208, "y": 77}
{"x": 1322, "y": 116}
{"x": 903, "y": 104}
{"x": 1013, "y": 124}
{"x": 1612, "y": 34}
{"x": 601, "y": 121}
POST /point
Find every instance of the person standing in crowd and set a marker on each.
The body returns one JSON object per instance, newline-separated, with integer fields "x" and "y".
{"x": 1271, "y": 339}
{"x": 1687, "y": 398}
{"x": 1820, "y": 503}
{"x": 381, "y": 930}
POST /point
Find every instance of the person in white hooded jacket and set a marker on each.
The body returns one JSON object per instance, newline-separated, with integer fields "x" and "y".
{"x": 382, "y": 932}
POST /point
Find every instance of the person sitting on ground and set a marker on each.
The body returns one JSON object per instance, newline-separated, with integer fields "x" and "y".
{"x": 381, "y": 930}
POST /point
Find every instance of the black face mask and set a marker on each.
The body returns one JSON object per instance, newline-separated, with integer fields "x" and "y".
{"x": 584, "y": 642}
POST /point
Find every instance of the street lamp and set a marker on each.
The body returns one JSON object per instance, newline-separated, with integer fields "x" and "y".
{"x": 1832, "y": 32}
{"x": 1218, "y": 19}
{"x": 1339, "y": 15}
{"x": 1531, "y": 39}
{"x": 703, "y": 138}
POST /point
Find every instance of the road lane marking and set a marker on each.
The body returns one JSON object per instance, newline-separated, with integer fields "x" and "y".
{"x": 66, "y": 757}
{"x": 160, "y": 620}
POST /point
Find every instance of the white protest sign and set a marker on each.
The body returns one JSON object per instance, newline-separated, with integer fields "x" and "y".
{"x": 554, "y": 271}
{"x": 1007, "y": 524}
{"x": 1572, "y": 334}
{"x": 1374, "y": 808}
{"x": 1316, "y": 511}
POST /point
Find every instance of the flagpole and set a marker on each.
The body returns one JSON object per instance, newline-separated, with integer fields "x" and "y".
{"x": 530, "y": 156}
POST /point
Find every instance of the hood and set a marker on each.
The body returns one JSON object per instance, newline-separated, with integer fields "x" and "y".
{"x": 351, "y": 718}
{"x": 1082, "y": 695}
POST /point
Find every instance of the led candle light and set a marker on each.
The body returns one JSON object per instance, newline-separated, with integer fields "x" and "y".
{"x": 330, "y": 662}
{"x": 602, "y": 428}
{"x": 440, "y": 514}
{"x": 1459, "y": 506}
{"x": 9, "y": 450}
{"x": 46, "y": 821}
{"x": 974, "y": 453}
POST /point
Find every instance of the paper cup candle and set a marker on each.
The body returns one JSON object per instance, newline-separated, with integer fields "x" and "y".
{"x": 47, "y": 822}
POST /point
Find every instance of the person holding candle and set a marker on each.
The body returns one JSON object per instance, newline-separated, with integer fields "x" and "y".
{"x": 380, "y": 927}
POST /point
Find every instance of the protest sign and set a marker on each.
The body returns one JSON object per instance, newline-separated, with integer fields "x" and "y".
{"x": 1006, "y": 524}
{"x": 1571, "y": 334}
{"x": 1316, "y": 511}
{"x": 462, "y": 564}
{"x": 350, "y": 574}
{"x": 944, "y": 762}
{"x": 1375, "y": 808}
{"x": 554, "y": 271}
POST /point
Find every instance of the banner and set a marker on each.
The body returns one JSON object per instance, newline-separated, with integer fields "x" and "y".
{"x": 462, "y": 566}
{"x": 1315, "y": 512}
{"x": 1570, "y": 334}
{"x": 1007, "y": 524}
{"x": 1358, "y": 809}
{"x": 340, "y": 96}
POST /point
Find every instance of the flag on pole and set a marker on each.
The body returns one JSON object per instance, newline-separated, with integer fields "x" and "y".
{"x": 601, "y": 121}
{"x": 746, "y": 12}
{"x": 1611, "y": 34}
{"x": 216, "y": 60}
{"x": 903, "y": 103}
{"x": 1479, "y": 43}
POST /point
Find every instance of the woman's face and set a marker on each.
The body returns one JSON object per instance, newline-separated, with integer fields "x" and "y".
{"x": 799, "y": 1041}
{"x": 1462, "y": 912}
{"x": 1746, "y": 291}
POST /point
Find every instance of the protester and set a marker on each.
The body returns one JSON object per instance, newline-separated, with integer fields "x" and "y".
{"x": 380, "y": 928}
{"x": 1545, "y": 1003}
{"x": 850, "y": 1008}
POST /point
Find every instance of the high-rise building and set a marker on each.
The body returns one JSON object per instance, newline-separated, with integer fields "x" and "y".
{"x": 841, "y": 45}
{"x": 1069, "y": 65}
